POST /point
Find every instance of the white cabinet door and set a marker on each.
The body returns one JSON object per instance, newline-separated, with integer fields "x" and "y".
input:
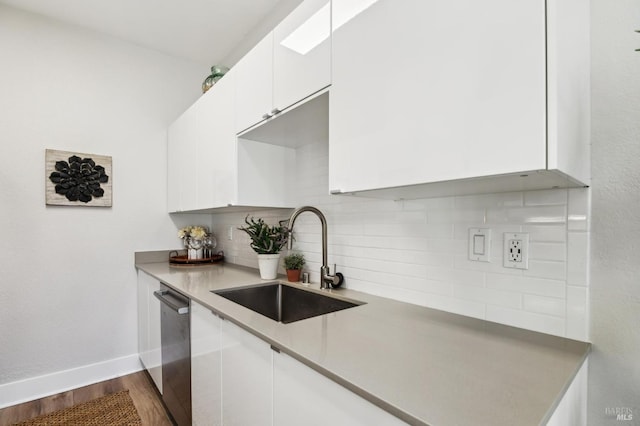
{"x": 182, "y": 154}
{"x": 149, "y": 337}
{"x": 206, "y": 376}
{"x": 302, "y": 53}
{"x": 174, "y": 165}
{"x": 304, "y": 397}
{"x": 202, "y": 151}
{"x": 428, "y": 91}
{"x": 246, "y": 378}
{"x": 216, "y": 140}
{"x": 288, "y": 65}
{"x": 572, "y": 409}
{"x": 254, "y": 84}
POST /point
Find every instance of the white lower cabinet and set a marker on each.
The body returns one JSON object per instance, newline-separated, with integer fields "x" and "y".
{"x": 572, "y": 409}
{"x": 237, "y": 379}
{"x": 246, "y": 378}
{"x": 206, "y": 374}
{"x": 301, "y": 396}
{"x": 149, "y": 338}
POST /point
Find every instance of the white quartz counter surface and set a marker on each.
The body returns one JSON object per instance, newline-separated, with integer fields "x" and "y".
{"x": 425, "y": 366}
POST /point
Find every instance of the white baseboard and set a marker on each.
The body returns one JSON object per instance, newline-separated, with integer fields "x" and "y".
{"x": 62, "y": 381}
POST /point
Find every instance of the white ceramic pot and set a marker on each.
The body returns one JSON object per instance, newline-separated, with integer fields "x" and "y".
{"x": 268, "y": 264}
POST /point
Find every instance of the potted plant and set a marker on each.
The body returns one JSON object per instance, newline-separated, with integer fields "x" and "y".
{"x": 267, "y": 241}
{"x": 293, "y": 263}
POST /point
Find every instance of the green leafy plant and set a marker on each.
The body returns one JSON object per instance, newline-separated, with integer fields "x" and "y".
{"x": 265, "y": 239}
{"x": 294, "y": 261}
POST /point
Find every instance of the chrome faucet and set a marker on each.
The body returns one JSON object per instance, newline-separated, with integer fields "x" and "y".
{"x": 326, "y": 279}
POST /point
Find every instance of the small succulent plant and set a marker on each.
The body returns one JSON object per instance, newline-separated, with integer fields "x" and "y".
{"x": 265, "y": 239}
{"x": 294, "y": 261}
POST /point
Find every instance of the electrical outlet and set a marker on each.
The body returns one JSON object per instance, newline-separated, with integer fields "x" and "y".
{"x": 516, "y": 250}
{"x": 230, "y": 233}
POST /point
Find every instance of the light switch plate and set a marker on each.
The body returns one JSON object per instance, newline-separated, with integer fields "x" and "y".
{"x": 516, "y": 250}
{"x": 479, "y": 244}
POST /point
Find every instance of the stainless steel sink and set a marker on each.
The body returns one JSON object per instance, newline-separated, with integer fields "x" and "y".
{"x": 284, "y": 303}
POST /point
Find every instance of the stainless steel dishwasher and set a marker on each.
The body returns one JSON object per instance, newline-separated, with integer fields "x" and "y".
{"x": 176, "y": 354}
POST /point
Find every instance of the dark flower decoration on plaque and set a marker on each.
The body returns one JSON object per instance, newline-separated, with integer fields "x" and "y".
{"x": 79, "y": 179}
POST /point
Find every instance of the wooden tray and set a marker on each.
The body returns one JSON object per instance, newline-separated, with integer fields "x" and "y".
{"x": 182, "y": 260}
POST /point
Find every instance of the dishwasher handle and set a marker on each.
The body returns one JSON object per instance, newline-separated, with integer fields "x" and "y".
{"x": 181, "y": 310}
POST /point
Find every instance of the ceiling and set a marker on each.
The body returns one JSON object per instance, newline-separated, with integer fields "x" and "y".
{"x": 204, "y": 31}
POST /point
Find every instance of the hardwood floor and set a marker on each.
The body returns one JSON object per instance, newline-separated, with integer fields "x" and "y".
{"x": 141, "y": 389}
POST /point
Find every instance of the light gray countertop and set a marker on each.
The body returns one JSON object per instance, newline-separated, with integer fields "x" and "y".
{"x": 425, "y": 366}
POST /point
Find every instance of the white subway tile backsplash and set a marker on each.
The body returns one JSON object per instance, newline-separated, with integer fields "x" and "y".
{"x": 545, "y": 305}
{"x": 508, "y": 199}
{"x": 531, "y": 215}
{"x": 510, "y": 299}
{"x": 578, "y": 209}
{"x": 527, "y": 285}
{"x": 455, "y": 305}
{"x": 495, "y": 265}
{"x": 408, "y": 230}
{"x": 416, "y": 250}
{"x": 548, "y": 251}
{"x": 577, "y": 262}
{"x": 455, "y": 276}
{"x": 456, "y": 216}
{"x": 437, "y": 287}
{"x": 529, "y": 320}
{"x": 445, "y": 245}
{"x": 428, "y": 204}
{"x": 546, "y": 197}
{"x": 546, "y": 269}
{"x": 578, "y": 313}
{"x": 546, "y": 233}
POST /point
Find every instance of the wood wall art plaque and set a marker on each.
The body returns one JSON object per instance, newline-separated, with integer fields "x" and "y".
{"x": 75, "y": 179}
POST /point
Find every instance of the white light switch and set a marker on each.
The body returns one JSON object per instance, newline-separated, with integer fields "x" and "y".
{"x": 479, "y": 244}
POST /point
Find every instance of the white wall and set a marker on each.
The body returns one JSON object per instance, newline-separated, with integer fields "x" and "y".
{"x": 67, "y": 281}
{"x": 614, "y": 373}
{"x": 416, "y": 251}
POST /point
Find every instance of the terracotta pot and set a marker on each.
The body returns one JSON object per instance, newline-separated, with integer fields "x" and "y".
{"x": 293, "y": 275}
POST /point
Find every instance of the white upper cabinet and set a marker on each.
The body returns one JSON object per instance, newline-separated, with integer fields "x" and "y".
{"x": 210, "y": 168}
{"x": 182, "y": 155}
{"x": 432, "y": 98}
{"x": 201, "y": 151}
{"x": 216, "y": 160}
{"x": 291, "y": 63}
{"x": 254, "y": 86}
{"x": 302, "y": 53}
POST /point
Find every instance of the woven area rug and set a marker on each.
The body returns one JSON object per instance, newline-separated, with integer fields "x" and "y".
{"x": 116, "y": 409}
